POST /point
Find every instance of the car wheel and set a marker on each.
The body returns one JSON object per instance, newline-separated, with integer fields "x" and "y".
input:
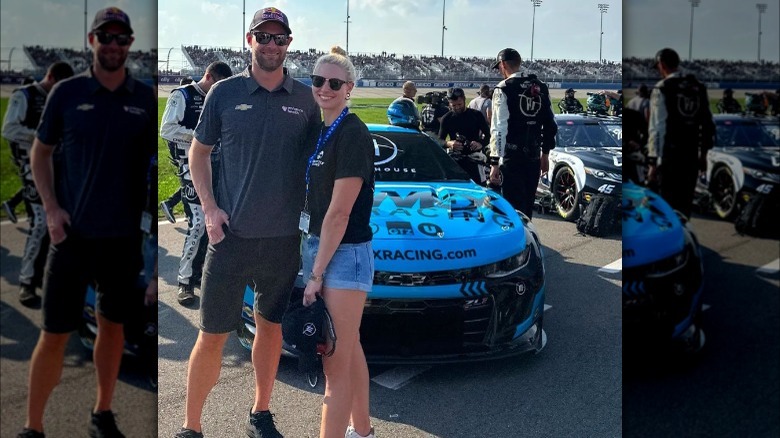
{"x": 245, "y": 336}
{"x": 724, "y": 195}
{"x": 564, "y": 190}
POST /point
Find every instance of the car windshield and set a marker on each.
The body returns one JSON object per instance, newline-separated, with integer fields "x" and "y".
{"x": 415, "y": 157}
{"x": 773, "y": 127}
{"x": 589, "y": 134}
{"x": 744, "y": 133}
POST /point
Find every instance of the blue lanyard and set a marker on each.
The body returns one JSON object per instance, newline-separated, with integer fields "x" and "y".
{"x": 321, "y": 141}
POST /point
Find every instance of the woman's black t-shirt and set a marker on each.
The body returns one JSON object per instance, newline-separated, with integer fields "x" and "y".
{"x": 348, "y": 153}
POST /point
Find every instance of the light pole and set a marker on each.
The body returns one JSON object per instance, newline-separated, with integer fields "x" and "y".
{"x": 694, "y": 4}
{"x": 243, "y": 37}
{"x": 536, "y": 4}
{"x": 85, "y": 27}
{"x": 347, "y": 26}
{"x": 602, "y": 10}
{"x": 761, "y": 9}
{"x": 443, "y": 27}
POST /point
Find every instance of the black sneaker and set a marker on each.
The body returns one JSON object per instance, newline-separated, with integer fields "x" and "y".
{"x": 103, "y": 425}
{"x": 186, "y": 294}
{"x": 261, "y": 425}
{"x": 28, "y": 297}
{"x": 188, "y": 433}
{"x": 29, "y": 433}
{"x": 10, "y": 213}
{"x": 168, "y": 212}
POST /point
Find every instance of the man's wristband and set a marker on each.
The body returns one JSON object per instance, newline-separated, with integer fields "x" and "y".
{"x": 317, "y": 278}
{"x": 651, "y": 160}
{"x": 494, "y": 161}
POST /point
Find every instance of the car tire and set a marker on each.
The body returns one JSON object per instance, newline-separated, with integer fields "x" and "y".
{"x": 245, "y": 337}
{"x": 565, "y": 194}
{"x": 724, "y": 194}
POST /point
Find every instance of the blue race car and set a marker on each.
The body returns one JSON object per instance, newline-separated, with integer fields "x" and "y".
{"x": 662, "y": 276}
{"x": 459, "y": 273}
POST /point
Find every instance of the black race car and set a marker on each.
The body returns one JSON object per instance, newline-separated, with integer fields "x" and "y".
{"x": 587, "y": 161}
{"x": 744, "y": 161}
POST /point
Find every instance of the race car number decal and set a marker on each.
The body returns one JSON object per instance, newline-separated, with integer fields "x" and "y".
{"x": 606, "y": 188}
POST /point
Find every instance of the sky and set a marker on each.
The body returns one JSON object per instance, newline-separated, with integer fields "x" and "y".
{"x": 722, "y": 29}
{"x": 561, "y": 28}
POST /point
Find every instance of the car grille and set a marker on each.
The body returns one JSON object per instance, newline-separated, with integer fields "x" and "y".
{"x": 425, "y": 327}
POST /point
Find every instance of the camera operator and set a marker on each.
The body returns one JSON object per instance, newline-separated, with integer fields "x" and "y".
{"x": 435, "y": 108}
{"x": 569, "y": 104}
{"x": 468, "y": 134}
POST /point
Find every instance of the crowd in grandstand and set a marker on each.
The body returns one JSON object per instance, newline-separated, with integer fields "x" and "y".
{"x": 707, "y": 70}
{"x": 393, "y": 66}
{"x": 142, "y": 64}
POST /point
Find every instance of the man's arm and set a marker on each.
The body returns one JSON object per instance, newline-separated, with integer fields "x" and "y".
{"x": 170, "y": 127}
{"x": 13, "y": 130}
{"x": 498, "y": 126}
{"x": 42, "y": 167}
{"x": 200, "y": 171}
{"x": 656, "y": 128}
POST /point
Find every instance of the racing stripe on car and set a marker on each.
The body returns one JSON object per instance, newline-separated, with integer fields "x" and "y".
{"x": 473, "y": 289}
{"x": 770, "y": 268}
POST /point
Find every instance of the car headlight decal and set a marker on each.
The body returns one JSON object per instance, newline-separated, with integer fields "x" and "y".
{"x": 762, "y": 175}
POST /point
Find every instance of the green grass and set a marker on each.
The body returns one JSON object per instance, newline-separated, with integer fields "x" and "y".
{"x": 370, "y": 110}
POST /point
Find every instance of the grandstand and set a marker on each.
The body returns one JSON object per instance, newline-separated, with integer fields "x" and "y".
{"x": 638, "y": 69}
{"x": 392, "y": 66}
{"x": 142, "y": 64}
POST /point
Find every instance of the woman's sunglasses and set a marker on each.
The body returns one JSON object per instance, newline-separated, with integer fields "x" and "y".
{"x": 281, "y": 39}
{"x": 319, "y": 81}
{"x": 122, "y": 39}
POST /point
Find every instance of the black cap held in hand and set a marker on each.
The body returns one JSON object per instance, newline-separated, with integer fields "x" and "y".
{"x": 302, "y": 329}
{"x": 507, "y": 54}
{"x": 111, "y": 15}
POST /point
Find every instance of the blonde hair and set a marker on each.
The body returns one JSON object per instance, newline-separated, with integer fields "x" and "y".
{"x": 338, "y": 57}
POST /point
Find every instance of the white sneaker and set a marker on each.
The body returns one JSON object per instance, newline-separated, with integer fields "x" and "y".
{"x": 351, "y": 433}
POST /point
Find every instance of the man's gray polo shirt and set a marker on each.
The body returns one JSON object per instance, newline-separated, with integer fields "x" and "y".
{"x": 264, "y": 136}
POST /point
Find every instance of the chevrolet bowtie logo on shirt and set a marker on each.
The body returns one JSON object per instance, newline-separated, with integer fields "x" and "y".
{"x": 243, "y": 107}
{"x": 85, "y": 107}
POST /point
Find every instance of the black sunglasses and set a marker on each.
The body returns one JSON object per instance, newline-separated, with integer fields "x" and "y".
{"x": 281, "y": 39}
{"x": 121, "y": 39}
{"x": 319, "y": 81}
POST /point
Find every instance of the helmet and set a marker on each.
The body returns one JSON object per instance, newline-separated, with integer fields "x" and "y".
{"x": 597, "y": 103}
{"x": 755, "y": 103}
{"x": 403, "y": 112}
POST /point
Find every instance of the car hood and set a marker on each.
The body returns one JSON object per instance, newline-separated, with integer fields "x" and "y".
{"x": 651, "y": 229}
{"x": 607, "y": 159}
{"x": 424, "y": 227}
{"x": 765, "y": 159}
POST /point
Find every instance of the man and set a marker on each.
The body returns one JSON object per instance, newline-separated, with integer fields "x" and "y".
{"x": 727, "y": 104}
{"x": 262, "y": 118}
{"x": 522, "y": 132}
{"x": 468, "y": 134}
{"x": 104, "y": 125}
{"x": 482, "y": 102}
{"x": 569, "y": 104}
{"x": 409, "y": 90}
{"x": 178, "y": 124}
{"x": 641, "y": 102}
{"x": 24, "y": 113}
{"x": 680, "y": 132}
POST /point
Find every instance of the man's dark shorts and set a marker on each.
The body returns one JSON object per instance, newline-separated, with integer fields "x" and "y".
{"x": 111, "y": 265}
{"x": 271, "y": 264}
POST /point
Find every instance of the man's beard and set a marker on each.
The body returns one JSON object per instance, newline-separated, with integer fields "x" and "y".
{"x": 267, "y": 64}
{"x": 111, "y": 63}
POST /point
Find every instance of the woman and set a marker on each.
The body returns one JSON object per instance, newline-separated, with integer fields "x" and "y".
{"x": 337, "y": 256}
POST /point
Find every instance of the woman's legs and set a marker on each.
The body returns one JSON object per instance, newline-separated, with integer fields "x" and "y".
{"x": 342, "y": 376}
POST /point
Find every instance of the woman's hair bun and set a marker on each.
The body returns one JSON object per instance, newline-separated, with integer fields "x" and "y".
{"x": 337, "y": 50}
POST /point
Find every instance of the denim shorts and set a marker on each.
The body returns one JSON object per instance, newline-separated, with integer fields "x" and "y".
{"x": 351, "y": 267}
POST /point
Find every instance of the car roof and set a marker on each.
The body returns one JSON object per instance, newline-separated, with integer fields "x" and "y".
{"x": 723, "y": 117}
{"x": 587, "y": 116}
{"x": 377, "y": 127}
